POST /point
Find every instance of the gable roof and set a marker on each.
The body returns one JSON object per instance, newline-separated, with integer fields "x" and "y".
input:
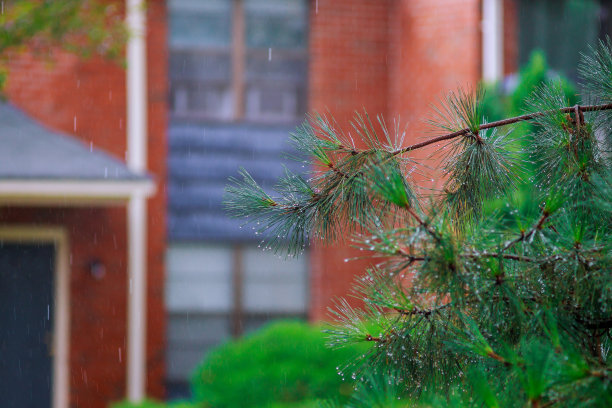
{"x": 38, "y": 162}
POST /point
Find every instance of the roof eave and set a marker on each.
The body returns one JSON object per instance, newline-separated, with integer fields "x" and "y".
{"x": 72, "y": 192}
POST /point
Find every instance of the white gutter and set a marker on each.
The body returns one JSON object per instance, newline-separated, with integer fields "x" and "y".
{"x": 72, "y": 192}
{"x": 492, "y": 40}
{"x": 136, "y": 83}
{"x": 136, "y": 87}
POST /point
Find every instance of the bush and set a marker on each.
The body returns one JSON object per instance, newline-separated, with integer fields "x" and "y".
{"x": 284, "y": 362}
{"x": 499, "y": 103}
{"x": 155, "y": 404}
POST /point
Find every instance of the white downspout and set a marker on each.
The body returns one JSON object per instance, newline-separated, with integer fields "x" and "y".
{"x": 492, "y": 40}
{"x": 136, "y": 83}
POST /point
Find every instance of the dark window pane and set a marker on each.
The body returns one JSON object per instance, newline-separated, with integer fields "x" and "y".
{"x": 277, "y": 65}
{"x": 201, "y": 24}
{"x": 200, "y": 84}
{"x": 200, "y": 65}
{"x": 276, "y": 23}
{"x": 190, "y": 336}
{"x": 561, "y": 28}
{"x": 200, "y": 59}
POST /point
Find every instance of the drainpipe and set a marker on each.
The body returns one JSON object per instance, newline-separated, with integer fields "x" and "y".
{"x": 136, "y": 83}
{"x": 492, "y": 40}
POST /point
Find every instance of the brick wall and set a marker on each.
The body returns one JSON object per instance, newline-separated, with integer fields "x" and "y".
{"x": 349, "y": 54}
{"x": 390, "y": 57}
{"x": 157, "y": 80}
{"x": 437, "y": 49}
{"x": 86, "y": 98}
{"x": 511, "y": 51}
{"x": 97, "y": 307}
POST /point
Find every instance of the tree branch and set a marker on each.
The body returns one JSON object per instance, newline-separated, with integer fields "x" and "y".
{"x": 523, "y": 236}
{"x": 422, "y": 223}
{"x": 504, "y": 122}
{"x": 504, "y": 256}
{"x": 422, "y": 312}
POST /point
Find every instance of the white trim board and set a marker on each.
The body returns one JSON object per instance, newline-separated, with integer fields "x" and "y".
{"x": 72, "y": 192}
{"x": 61, "y": 330}
{"x": 136, "y": 112}
{"x": 492, "y": 40}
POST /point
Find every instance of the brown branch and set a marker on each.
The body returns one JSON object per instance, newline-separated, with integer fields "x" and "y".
{"x": 579, "y": 117}
{"x": 504, "y": 256}
{"x": 336, "y": 170}
{"x": 369, "y": 337}
{"x": 600, "y": 373}
{"x": 511, "y": 257}
{"x": 426, "y": 226}
{"x": 504, "y": 122}
{"x": 499, "y": 358}
{"x": 411, "y": 258}
{"x": 422, "y": 312}
{"x": 524, "y": 236}
{"x": 595, "y": 325}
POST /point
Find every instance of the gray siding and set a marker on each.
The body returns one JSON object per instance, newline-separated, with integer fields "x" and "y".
{"x": 201, "y": 159}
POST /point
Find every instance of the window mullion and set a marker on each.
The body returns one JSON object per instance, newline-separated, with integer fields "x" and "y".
{"x": 237, "y": 292}
{"x": 238, "y": 58}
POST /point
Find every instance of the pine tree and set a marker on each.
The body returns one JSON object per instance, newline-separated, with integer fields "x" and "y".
{"x": 478, "y": 298}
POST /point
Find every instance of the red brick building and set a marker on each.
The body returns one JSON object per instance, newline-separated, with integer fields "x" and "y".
{"x": 392, "y": 58}
{"x": 226, "y": 80}
{"x": 70, "y": 187}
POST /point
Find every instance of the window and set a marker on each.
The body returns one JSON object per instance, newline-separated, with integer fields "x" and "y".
{"x": 562, "y": 29}
{"x": 215, "y": 292}
{"x": 233, "y": 60}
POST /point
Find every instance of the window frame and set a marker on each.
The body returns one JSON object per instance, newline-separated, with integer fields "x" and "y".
{"x": 240, "y": 87}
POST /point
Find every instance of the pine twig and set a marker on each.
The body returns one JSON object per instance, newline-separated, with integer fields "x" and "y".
{"x": 504, "y": 256}
{"x": 369, "y": 337}
{"x": 523, "y": 236}
{"x": 422, "y": 312}
{"x": 422, "y": 223}
{"x": 504, "y": 122}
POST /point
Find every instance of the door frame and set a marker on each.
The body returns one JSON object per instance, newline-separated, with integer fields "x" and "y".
{"x": 58, "y": 237}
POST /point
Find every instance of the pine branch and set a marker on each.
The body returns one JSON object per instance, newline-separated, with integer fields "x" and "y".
{"x": 456, "y": 292}
{"x": 499, "y": 123}
{"x": 503, "y": 256}
{"x": 525, "y": 236}
{"x": 504, "y": 122}
{"x": 422, "y": 312}
{"x": 434, "y": 234}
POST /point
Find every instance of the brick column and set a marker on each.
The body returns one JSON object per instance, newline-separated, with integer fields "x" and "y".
{"x": 390, "y": 57}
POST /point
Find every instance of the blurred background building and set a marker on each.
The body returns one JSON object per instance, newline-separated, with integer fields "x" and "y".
{"x": 242, "y": 76}
{"x": 226, "y": 81}
{"x": 238, "y": 84}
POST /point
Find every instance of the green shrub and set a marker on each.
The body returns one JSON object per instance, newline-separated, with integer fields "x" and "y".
{"x": 498, "y": 104}
{"x": 282, "y": 363}
{"x": 156, "y": 404}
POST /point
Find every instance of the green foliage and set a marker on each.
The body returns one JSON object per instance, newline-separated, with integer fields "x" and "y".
{"x": 84, "y": 27}
{"x": 156, "y": 404}
{"x": 282, "y": 364}
{"x": 505, "y": 304}
{"x": 338, "y": 198}
{"x": 536, "y": 73}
